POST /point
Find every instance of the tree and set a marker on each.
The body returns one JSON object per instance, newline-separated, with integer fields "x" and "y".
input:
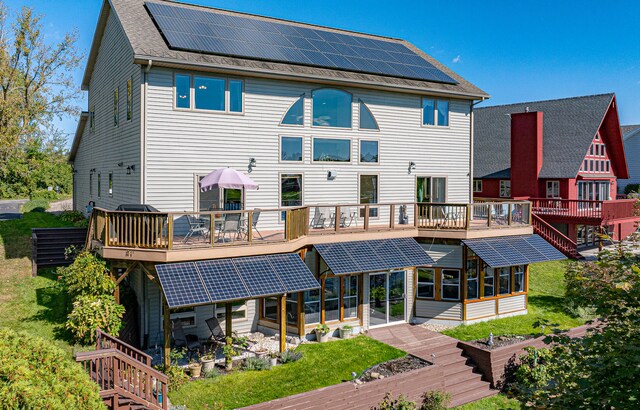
{"x": 600, "y": 370}
{"x": 36, "y": 87}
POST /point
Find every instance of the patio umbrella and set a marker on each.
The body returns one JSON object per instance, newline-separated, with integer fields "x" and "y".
{"x": 227, "y": 178}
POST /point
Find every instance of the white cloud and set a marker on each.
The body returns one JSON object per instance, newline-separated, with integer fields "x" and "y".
{"x": 457, "y": 59}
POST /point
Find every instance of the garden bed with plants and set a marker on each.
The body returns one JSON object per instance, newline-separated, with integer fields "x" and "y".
{"x": 499, "y": 341}
{"x": 393, "y": 367}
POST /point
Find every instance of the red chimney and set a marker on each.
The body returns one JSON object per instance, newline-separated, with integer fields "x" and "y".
{"x": 526, "y": 153}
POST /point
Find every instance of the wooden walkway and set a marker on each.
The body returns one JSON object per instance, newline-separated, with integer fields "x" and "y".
{"x": 451, "y": 372}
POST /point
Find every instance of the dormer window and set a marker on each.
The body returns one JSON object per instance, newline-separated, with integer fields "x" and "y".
{"x": 331, "y": 108}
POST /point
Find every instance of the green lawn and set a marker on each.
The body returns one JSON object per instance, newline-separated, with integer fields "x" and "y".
{"x": 498, "y": 402}
{"x": 546, "y": 303}
{"x": 33, "y": 305}
{"x": 322, "y": 365}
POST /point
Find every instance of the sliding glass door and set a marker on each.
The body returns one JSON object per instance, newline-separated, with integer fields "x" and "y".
{"x": 386, "y": 298}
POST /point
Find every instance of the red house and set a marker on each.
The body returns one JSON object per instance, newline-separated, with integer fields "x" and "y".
{"x": 565, "y": 156}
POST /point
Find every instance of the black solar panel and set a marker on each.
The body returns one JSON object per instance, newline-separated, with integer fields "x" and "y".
{"x": 221, "y": 280}
{"x": 258, "y": 275}
{"x": 210, "y": 31}
{"x": 293, "y": 272}
{"x": 513, "y": 250}
{"x": 374, "y": 255}
{"x": 182, "y": 285}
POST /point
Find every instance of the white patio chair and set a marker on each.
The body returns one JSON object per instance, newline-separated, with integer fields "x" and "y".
{"x": 196, "y": 227}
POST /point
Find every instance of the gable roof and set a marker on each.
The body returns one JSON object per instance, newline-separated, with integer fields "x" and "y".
{"x": 570, "y": 124}
{"x": 147, "y": 44}
{"x": 628, "y": 130}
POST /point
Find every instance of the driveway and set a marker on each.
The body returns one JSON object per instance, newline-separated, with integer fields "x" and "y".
{"x": 10, "y": 209}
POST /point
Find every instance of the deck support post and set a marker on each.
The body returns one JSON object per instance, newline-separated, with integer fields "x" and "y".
{"x": 166, "y": 343}
{"x": 228, "y": 325}
{"x": 283, "y": 322}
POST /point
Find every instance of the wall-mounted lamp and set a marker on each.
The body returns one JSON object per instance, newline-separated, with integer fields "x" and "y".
{"x": 120, "y": 164}
{"x": 252, "y": 163}
{"x": 412, "y": 166}
{"x": 92, "y": 170}
{"x": 130, "y": 168}
{"x": 331, "y": 175}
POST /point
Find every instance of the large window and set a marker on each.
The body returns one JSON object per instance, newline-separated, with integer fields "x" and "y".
{"x": 291, "y": 149}
{"x": 331, "y": 150}
{"x": 238, "y": 310}
{"x": 472, "y": 279}
{"x": 426, "y": 283}
{"x": 435, "y": 112}
{"x": 505, "y": 188}
{"x": 183, "y": 91}
{"x": 367, "y": 122}
{"x": 553, "y": 189}
{"x": 518, "y": 278}
{"x": 331, "y": 108}
{"x": 350, "y": 296}
{"x": 292, "y": 308}
{"x": 331, "y": 299}
{"x": 368, "y": 151}
{"x": 209, "y": 93}
{"x": 450, "y": 284}
{"x": 290, "y": 190}
{"x": 431, "y": 189}
{"x": 295, "y": 114}
{"x": 312, "y": 306}
{"x": 505, "y": 281}
{"x": 369, "y": 193}
{"x": 489, "y": 282}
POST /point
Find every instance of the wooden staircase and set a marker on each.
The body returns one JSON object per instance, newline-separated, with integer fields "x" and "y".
{"x": 556, "y": 238}
{"x": 125, "y": 376}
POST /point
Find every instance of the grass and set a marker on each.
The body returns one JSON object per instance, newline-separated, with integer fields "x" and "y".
{"x": 498, "y": 402}
{"x": 322, "y": 364}
{"x": 34, "y": 305}
{"x": 39, "y": 205}
{"x": 546, "y": 304}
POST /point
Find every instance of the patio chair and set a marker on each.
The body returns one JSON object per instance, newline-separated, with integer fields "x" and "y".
{"x": 254, "y": 224}
{"x": 346, "y": 222}
{"x": 182, "y": 340}
{"x": 196, "y": 226}
{"x": 230, "y": 225}
{"x": 217, "y": 334}
{"x": 317, "y": 222}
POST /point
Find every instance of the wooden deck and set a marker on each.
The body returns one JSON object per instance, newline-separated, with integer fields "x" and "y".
{"x": 451, "y": 372}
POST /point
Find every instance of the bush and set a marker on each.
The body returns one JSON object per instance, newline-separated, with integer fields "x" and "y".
{"x": 34, "y": 374}
{"x": 35, "y": 205}
{"x": 632, "y": 188}
{"x": 389, "y": 403}
{"x": 87, "y": 275}
{"x": 256, "y": 363}
{"x": 44, "y": 194}
{"x": 435, "y": 400}
{"x": 75, "y": 217}
{"x": 92, "y": 312}
{"x": 289, "y": 356}
{"x": 177, "y": 377}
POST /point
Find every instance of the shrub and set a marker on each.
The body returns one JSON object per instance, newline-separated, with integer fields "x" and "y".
{"x": 87, "y": 275}
{"x": 44, "y": 194}
{"x": 532, "y": 375}
{"x": 289, "y": 356}
{"x": 35, "y": 205}
{"x": 256, "y": 363}
{"x": 389, "y": 403}
{"x": 35, "y": 374}
{"x": 210, "y": 374}
{"x": 435, "y": 400}
{"x": 72, "y": 216}
{"x": 92, "y": 312}
{"x": 177, "y": 376}
{"x": 631, "y": 188}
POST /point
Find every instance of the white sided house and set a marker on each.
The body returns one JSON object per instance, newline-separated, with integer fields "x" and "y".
{"x": 631, "y": 137}
{"x": 360, "y": 144}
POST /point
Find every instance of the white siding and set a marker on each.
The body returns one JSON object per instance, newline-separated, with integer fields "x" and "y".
{"x": 181, "y": 144}
{"x": 512, "y": 304}
{"x": 365, "y": 301}
{"x": 410, "y": 294}
{"x": 439, "y": 310}
{"x": 479, "y": 310}
{"x": 444, "y": 256}
{"x": 108, "y": 145}
{"x": 632, "y": 150}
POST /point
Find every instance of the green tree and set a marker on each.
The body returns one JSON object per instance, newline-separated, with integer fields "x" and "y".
{"x": 36, "y": 87}
{"x": 600, "y": 370}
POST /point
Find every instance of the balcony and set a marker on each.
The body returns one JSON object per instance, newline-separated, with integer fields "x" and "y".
{"x": 585, "y": 212}
{"x": 176, "y": 236}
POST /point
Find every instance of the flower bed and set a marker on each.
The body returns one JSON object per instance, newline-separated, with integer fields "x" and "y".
{"x": 393, "y": 367}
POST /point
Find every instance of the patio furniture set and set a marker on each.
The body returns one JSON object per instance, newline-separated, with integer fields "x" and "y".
{"x": 230, "y": 227}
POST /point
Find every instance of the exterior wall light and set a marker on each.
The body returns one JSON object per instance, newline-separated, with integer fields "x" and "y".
{"x": 252, "y": 163}
{"x": 412, "y": 166}
{"x": 130, "y": 168}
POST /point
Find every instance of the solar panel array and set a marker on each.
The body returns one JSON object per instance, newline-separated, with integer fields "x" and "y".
{"x": 209, "y": 31}
{"x": 223, "y": 280}
{"x": 375, "y": 255}
{"x": 515, "y": 250}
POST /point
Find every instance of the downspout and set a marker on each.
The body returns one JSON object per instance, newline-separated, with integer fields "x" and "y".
{"x": 143, "y": 134}
{"x": 471, "y": 150}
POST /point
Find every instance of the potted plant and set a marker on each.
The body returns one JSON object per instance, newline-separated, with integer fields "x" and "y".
{"x": 345, "y": 331}
{"x": 208, "y": 359}
{"x": 322, "y": 332}
{"x": 229, "y": 351}
{"x": 195, "y": 368}
{"x": 273, "y": 358}
{"x": 261, "y": 351}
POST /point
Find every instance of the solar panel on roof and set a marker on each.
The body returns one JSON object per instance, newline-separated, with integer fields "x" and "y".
{"x": 210, "y": 31}
{"x": 337, "y": 259}
{"x": 182, "y": 285}
{"x": 513, "y": 250}
{"x": 293, "y": 272}
{"x": 258, "y": 275}
{"x": 221, "y": 280}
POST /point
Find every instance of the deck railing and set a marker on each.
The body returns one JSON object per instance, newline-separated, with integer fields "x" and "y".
{"x": 180, "y": 230}
{"x": 106, "y": 341}
{"x": 585, "y": 209}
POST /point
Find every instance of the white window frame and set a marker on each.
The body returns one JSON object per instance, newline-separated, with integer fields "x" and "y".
{"x": 372, "y": 206}
{"x": 360, "y": 141}
{"x": 280, "y": 175}
{"x": 469, "y": 279}
{"x": 504, "y": 185}
{"x": 553, "y": 189}
{"x": 418, "y": 283}
{"x": 500, "y": 276}
{"x": 435, "y": 112}
{"x": 519, "y": 270}
{"x": 313, "y": 161}
{"x": 186, "y": 315}
{"x": 192, "y": 94}
{"x": 304, "y": 108}
{"x": 350, "y": 127}
{"x": 344, "y": 279}
{"x": 442, "y": 284}
{"x": 221, "y": 311}
{"x": 290, "y": 161}
{"x": 477, "y": 185}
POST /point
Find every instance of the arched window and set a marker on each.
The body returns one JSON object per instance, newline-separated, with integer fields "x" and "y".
{"x": 295, "y": 114}
{"x": 367, "y": 122}
{"x": 331, "y": 108}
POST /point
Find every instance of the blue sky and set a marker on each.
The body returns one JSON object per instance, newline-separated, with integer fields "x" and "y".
{"x": 544, "y": 50}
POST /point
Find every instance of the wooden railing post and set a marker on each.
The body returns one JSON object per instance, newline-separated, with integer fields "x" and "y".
{"x": 366, "y": 217}
{"x": 212, "y": 229}
{"x": 416, "y": 215}
{"x": 249, "y": 227}
{"x": 510, "y": 210}
{"x": 337, "y": 218}
{"x": 392, "y": 216}
{"x": 489, "y": 209}
{"x": 467, "y": 221}
{"x": 170, "y": 230}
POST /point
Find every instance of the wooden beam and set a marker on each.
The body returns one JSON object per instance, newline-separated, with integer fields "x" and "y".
{"x": 166, "y": 343}
{"x": 228, "y": 319}
{"x": 301, "y": 317}
{"x": 283, "y": 322}
{"x": 126, "y": 272}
